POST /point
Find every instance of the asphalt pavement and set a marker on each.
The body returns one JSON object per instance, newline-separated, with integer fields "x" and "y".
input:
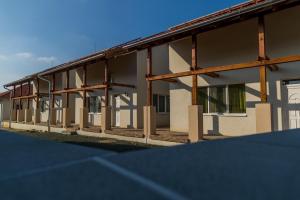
{"x": 265, "y": 166}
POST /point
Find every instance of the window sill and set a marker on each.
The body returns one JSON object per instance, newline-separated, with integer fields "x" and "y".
{"x": 226, "y": 114}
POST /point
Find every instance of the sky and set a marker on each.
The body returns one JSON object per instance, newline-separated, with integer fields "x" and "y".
{"x": 38, "y": 34}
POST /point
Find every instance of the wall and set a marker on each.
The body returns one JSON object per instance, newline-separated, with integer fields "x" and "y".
{"x": 122, "y": 70}
{"x": 160, "y": 63}
{"x": 4, "y": 109}
{"x": 235, "y": 44}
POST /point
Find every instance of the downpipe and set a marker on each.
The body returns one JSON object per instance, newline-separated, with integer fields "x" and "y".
{"x": 50, "y": 100}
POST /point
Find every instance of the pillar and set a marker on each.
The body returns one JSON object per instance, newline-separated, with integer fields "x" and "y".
{"x": 36, "y": 116}
{"x": 66, "y": 117}
{"x": 149, "y": 121}
{"x": 106, "y": 118}
{"x": 83, "y": 118}
{"x": 263, "y": 117}
{"x": 28, "y": 115}
{"x": 195, "y": 123}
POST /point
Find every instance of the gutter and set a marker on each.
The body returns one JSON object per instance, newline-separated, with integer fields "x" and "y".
{"x": 50, "y": 100}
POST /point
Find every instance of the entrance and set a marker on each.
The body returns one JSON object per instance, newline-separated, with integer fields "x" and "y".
{"x": 294, "y": 105}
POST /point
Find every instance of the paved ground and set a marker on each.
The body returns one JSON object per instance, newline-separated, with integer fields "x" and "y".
{"x": 255, "y": 167}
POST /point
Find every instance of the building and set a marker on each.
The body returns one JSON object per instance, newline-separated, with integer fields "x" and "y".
{"x": 233, "y": 72}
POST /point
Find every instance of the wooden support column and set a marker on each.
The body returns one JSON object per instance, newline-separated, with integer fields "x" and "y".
{"x": 53, "y": 89}
{"x": 84, "y": 84}
{"x": 14, "y": 95}
{"x": 106, "y": 82}
{"x": 149, "y": 110}
{"x": 67, "y": 87}
{"x": 21, "y": 94}
{"x": 149, "y": 73}
{"x": 262, "y": 55}
{"x": 106, "y": 110}
{"x": 28, "y": 93}
{"x": 38, "y": 93}
{"x": 194, "y": 67}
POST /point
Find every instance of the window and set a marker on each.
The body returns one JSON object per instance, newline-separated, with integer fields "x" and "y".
{"x": 223, "y": 99}
{"x": 217, "y": 99}
{"x": 161, "y": 103}
{"x": 237, "y": 98}
{"x": 94, "y": 104}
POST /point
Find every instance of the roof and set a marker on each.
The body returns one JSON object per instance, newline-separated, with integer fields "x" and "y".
{"x": 236, "y": 12}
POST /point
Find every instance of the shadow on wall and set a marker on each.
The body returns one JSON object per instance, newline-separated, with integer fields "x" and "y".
{"x": 128, "y": 100}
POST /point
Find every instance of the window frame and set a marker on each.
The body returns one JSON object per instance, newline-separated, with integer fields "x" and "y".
{"x": 227, "y": 110}
{"x": 165, "y": 96}
{"x": 97, "y": 100}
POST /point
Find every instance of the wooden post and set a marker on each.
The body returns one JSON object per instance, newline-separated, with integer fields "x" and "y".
{"x": 149, "y": 73}
{"x": 14, "y": 96}
{"x": 84, "y": 84}
{"x": 21, "y": 94}
{"x": 28, "y": 93}
{"x": 53, "y": 89}
{"x": 38, "y": 93}
{"x": 194, "y": 67}
{"x": 262, "y": 55}
{"x": 67, "y": 86}
{"x": 106, "y": 83}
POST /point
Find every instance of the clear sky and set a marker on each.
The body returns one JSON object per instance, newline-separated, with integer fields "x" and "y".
{"x": 37, "y": 34}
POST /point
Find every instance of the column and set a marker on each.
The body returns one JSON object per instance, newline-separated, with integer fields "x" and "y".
{"x": 66, "y": 109}
{"x": 84, "y": 110}
{"x": 263, "y": 109}
{"x": 149, "y": 109}
{"x": 106, "y": 110}
{"x": 195, "y": 110}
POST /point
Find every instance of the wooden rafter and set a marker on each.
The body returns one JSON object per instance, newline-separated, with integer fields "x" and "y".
{"x": 246, "y": 65}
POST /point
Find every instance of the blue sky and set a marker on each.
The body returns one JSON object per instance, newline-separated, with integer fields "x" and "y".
{"x": 37, "y": 34}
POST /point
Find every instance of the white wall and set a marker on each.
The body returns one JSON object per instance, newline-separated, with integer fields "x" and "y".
{"x": 160, "y": 63}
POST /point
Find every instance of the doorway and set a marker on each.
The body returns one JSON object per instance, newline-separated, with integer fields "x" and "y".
{"x": 294, "y": 105}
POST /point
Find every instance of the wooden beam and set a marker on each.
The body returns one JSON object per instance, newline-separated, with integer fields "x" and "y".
{"x": 194, "y": 67}
{"x": 149, "y": 74}
{"x": 272, "y": 67}
{"x": 262, "y": 54}
{"x": 106, "y": 82}
{"x": 223, "y": 68}
{"x": 75, "y": 90}
{"x": 25, "y": 97}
